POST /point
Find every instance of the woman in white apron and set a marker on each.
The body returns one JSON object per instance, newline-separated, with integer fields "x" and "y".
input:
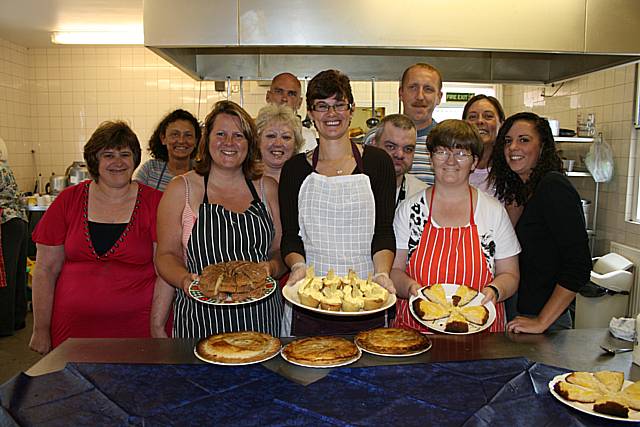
{"x": 222, "y": 211}
{"x": 337, "y": 205}
{"x": 453, "y": 233}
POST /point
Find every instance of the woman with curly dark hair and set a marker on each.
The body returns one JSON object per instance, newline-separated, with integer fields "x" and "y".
{"x": 173, "y": 148}
{"x": 546, "y": 208}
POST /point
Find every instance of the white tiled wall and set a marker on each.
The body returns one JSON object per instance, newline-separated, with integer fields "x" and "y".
{"x": 609, "y": 94}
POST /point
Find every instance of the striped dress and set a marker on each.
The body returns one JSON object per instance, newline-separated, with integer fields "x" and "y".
{"x": 219, "y": 235}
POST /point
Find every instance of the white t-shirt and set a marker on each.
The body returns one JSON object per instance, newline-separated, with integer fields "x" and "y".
{"x": 497, "y": 237}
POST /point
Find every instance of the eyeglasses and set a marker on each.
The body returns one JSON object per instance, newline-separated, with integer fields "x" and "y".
{"x": 321, "y": 107}
{"x": 443, "y": 155}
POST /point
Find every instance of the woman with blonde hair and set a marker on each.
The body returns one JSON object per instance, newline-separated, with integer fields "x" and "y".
{"x": 279, "y": 137}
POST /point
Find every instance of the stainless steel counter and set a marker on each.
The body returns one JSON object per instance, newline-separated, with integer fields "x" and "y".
{"x": 577, "y": 349}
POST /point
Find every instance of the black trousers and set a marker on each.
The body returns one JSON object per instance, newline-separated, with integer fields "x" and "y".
{"x": 13, "y": 299}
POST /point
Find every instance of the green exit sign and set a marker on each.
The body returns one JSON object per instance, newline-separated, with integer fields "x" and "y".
{"x": 458, "y": 96}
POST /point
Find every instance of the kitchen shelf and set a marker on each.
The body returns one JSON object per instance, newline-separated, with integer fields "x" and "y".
{"x": 574, "y": 139}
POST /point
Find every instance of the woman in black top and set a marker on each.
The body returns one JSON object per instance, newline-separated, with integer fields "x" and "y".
{"x": 555, "y": 261}
{"x": 337, "y": 206}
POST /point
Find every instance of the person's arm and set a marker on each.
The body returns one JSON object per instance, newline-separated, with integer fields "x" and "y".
{"x": 49, "y": 262}
{"x": 161, "y": 304}
{"x": 405, "y": 285}
{"x": 382, "y": 263}
{"x": 169, "y": 258}
{"x": 275, "y": 265}
{"x": 555, "y": 306}
{"x": 506, "y": 280}
{"x": 379, "y": 167}
{"x": 294, "y": 171}
{"x": 298, "y": 267}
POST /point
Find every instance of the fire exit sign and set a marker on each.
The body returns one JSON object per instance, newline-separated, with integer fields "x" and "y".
{"x": 458, "y": 96}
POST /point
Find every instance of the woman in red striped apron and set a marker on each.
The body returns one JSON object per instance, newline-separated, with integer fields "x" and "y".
{"x": 453, "y": 233}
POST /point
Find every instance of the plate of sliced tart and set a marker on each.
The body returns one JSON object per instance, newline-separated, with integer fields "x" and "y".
{"x": 336, "y": 295}
{"x": 237, "y": 348}
{"x": 452, "y": 309}
{"x": 604, "y": 394}
{"x": 393, "y": 342}
{"x": 321, "y": 352}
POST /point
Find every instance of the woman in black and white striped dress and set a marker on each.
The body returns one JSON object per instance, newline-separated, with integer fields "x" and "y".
{"x": 222, "y": 211}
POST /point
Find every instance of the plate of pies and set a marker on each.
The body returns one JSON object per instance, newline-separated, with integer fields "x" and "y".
{"x": 452, "y": 309}
{"x": 232, "y": 283}
{"x": 321, "y": 352}
{"x": 336, "y": 295}
{"x": 237, "y": 348}
{"x": 393, "y": 342}
{"x": 604, "y": 394}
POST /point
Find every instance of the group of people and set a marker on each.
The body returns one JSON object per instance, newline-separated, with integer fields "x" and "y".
{"x": 115, "y": 255}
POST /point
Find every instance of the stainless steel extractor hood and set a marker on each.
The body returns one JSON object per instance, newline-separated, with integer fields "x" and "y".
{"x": 538, "y": 41}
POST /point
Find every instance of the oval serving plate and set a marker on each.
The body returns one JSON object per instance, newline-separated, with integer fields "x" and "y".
{"x": 214, "y": 362}
{"x": 290, "y": 293}
{"x": 196, "y": 294}
{"x": 440, "y": 324}
{"x": 415, "y": 353}
{"x": 587, "y": 408}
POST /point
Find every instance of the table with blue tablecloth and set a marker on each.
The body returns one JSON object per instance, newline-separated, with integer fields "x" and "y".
{"x": 453, "y": 384}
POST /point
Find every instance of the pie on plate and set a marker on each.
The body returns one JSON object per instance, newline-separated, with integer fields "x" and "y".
{"x": 454, "y": 309}
{"x": 393, "y": 341}
{"x": 605, "y": 394}
{"x": 235, "y": 280}
{"x": 237, "y": 348}
{"x": 321, "y": 352}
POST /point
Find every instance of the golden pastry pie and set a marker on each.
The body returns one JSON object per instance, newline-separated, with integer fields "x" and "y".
{"x": 338, "y": 293}
{"x": 435, "y": 293}
{"x": 457, "y": 312}
{"x": 428, "y": 310}
{"x": 321, "y": 351}
{"x": 456, "y": 323}
{"x": 233, "y": 280}
{"x": 238, "y": 347}
{"x": 392, "y": 341}
{"x": 463, "y": 296}
{"x": 603, "y": 389}
{"x": 476, "y": 314}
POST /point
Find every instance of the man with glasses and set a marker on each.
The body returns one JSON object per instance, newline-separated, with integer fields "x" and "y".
{"x": 420, "y": 92}
{"x": 396, "y": 134}
{"x": 285, "y": 89}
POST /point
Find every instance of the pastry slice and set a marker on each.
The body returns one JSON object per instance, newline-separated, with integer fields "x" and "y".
{"x": 331, "y": 299}
{"x": 374, "y": 295}
{"x": 435, "y": 293}
{"x": 611, "y": 406}
{"x": 309, "y": 292}
{"x": 586, "y": 379}
{"x": 353, "y": 300}
{"x": 456, "y": 323}
{"x": 631, "y": 395}
{"x": 576, "y": 393}
{"x": 331, "y": 280}
{"x": 429, "y": 311}
{"x": 477, "y": 314}
{"x": 463, "y": 295}
{"x": 612, "y": 380}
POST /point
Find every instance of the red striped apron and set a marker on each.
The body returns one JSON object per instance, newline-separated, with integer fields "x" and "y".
{"x": 448, "y": 255}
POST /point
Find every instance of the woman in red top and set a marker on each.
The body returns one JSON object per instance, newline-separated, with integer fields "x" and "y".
{"x": 95, "y": 275}
{"x": 453, "y": 233}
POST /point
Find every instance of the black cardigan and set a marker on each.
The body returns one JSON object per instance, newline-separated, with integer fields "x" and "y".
{"x": 377, "y": 165}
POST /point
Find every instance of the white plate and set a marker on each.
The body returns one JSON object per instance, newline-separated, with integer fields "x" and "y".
{"x": 587, "y": 408}
{"x": 415, "y": 353}
{"x": 335, "y": 365}
{"x": 440, "y": 324}
{"x": 195, "y": 351}
{"x": 290, "y": 293}
{"x": 196, "y": 294}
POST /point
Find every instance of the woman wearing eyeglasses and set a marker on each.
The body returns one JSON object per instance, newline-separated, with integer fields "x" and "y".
{"x": 453, "y": 233}
{"x": 173, "y": 148}
{"x": 337, "y": 207}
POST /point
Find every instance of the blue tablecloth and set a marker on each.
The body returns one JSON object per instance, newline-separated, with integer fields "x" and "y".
{"x": 504, "y": 392}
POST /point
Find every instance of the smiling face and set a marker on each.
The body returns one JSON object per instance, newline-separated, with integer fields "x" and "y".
{"x": 277, "y": 143}
{"x": 420, "y": 94}
{"x": 180, "y": 139}
{"x": 522, "y": 148}
{"x": 452, "y": 166}
{"x": 331, "y": 124}
{"x": 227, "y": 144}
{"x": 115, "y": 166}
{"x": 484, "y": 116}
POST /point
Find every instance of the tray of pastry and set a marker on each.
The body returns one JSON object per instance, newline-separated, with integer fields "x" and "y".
{"x": 604, "y": 394}
{"x": 452, "y": 309}
{"x": 232, "y": 283}
{"x": 321, "y": 352}
{"x": 336, "y": 295}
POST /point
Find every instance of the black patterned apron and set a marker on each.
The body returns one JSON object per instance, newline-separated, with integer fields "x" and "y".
{"x": 220, "y": 235}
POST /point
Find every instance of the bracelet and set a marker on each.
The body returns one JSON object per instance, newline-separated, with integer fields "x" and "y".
{"x": 298, "y": 264}
{"x": 382, "y": 273}
{"x": 494, "y": 289}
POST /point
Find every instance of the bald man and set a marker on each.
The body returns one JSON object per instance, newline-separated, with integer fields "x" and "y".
{"x": 285, "y": 89}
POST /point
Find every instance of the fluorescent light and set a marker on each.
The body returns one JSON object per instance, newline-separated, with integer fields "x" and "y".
{"x": 97, "y": 37}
